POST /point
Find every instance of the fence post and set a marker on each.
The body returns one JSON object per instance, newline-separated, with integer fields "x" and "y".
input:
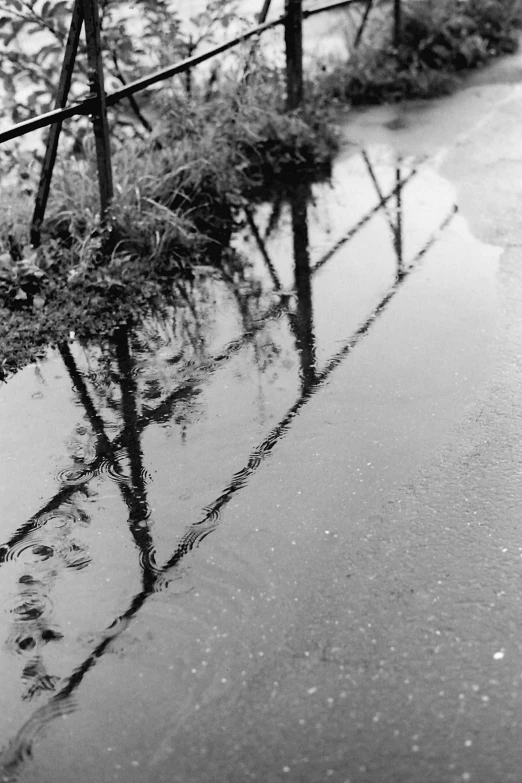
{"x": 99, "y": 119}
{"x": 294, "y": 53}
{"x": 51, "y": 148}
{"x": 397, "y": 23}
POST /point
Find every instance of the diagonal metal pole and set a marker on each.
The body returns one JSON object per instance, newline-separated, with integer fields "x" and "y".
{"x": 261, "y": 19}
{"x": 362, "y": 26}
{"x": 378, "y": 190}
{"x": 275, "y": 214}
{"x": 99, "y": 119}
{"x": 399, "y": 232}
{"x": 395, "y": 225}
{"x": 262, "y": 249}
{"x": 361, "y": 223}
{"x": 51, "y": 149}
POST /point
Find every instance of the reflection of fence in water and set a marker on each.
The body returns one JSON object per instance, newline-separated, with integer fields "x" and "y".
{"x": 154, "y": 576}
{"x": 304, "y": 339}
{"x": 85, "y": 14}
{"x": 198, "y": 372}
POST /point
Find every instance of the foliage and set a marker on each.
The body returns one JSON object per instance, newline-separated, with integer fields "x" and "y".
{"x": 33, "y": 34}
{"x": 128, "y": 55}
{"x": 178, "y": 198}
{"x": 462, "y": 35}
{"x": 440, "y": 40}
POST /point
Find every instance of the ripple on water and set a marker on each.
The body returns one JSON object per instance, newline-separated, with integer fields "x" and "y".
{"x": 115, "y": 468}
{"x": 146, "y": 475}
{"x": 57, "y": 520}
{"x": 68, "y": 515}
{"x": 21, "y": 642}
{"x": 35, "y": 552}
{"x": 77, "y": 557}
{"x": 30, "y": 579}
{"x": 148, "y": 562}
{"x": 177, "y": 581}
{"x": 72, "y": 476}
{"x": 30, "y": 552}
{"x": 25, "y": 638}
{"x": 27, "y": 606}
{"x": 14, "y": 754}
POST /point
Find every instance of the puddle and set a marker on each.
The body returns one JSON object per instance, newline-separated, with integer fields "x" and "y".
{"x": 168, "y": 493}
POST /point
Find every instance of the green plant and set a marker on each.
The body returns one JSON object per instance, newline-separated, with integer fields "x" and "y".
{"x": 458, "y": 36}
{"x": 440, "y": 40}
{"x": 178, "y": 193}
{"x": 137, "y": 38}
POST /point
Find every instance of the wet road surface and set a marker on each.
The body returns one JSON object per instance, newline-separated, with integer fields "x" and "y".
{"x": 272, "y": 534}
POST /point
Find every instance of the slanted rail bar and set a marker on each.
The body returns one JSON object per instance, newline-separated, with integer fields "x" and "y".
{"x": 87, "y": 106}
{"x": 331, "y": 7}
{"x": 85, "y": 13}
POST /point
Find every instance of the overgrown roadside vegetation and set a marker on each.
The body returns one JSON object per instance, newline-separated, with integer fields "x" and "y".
{"x": 178, "y": 198}
{"x": 440, "y": 41}
{"x": 185, "y": 161}
{"x": 189, "y": 157}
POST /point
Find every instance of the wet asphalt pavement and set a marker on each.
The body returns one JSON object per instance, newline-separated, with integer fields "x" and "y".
{"x": 402, "y": 656}
{"x": 355, "y": 615}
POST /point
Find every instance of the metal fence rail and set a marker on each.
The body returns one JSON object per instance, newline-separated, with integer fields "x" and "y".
{"x": 85, "y": 12}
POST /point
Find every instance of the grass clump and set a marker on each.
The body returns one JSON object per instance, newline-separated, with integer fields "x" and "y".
{"x": 440, "y": 41}
{"x": 179, "y": 194}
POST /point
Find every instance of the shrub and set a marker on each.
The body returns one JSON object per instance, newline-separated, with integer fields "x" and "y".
{"x": 440, "y": 39}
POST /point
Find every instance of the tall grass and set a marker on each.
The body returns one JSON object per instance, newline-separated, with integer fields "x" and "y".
{"x": 178, "y": 195}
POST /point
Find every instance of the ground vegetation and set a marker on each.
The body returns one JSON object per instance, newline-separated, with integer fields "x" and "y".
{"x": 188, "y": 157}
{"x": 440, "y": 41}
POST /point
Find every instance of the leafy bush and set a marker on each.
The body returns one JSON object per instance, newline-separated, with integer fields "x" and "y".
{"x": 456, "y": 36}
{"x": 375, "y": 77}
{"x": 440, "y": 39}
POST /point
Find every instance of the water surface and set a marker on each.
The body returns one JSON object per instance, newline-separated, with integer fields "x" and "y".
{"x": 175, "y": 495}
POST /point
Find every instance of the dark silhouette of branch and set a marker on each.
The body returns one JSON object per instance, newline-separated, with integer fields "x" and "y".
{"x": 132, "y": 100}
